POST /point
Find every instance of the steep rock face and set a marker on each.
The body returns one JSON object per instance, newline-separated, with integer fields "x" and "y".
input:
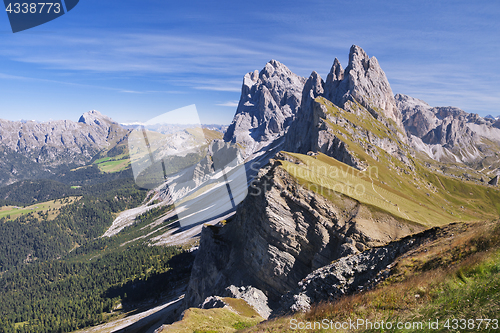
{"x": 281, "y": 233}
{"x": 361, "y": 90}
{"x": 304, "y": 132}
{"x": 268, "y": 104}
{"x": 271, "y": 99}
{"x": 418, "y": 116}
{"x": 447, "y": 133}
{"x": 364, "y": 81}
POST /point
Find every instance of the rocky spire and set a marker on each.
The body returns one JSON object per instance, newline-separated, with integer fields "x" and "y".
{"x": 268, "y": 104}
{"x": 333, "y": 79}
{"x": 303, "y": 133}
{"x": 365, "y": 82}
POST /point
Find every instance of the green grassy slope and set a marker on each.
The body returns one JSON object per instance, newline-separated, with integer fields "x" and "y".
{"x": 397, "y": 183}
{"x": 51, "y": 208}
{"x": 451, "y": 200}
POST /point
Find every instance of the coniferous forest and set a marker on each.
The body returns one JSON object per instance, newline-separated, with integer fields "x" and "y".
{"x": 57, "y": 275}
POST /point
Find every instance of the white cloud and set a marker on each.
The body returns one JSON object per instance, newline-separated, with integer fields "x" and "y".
{"x": 229, "y": 103}
{"x": 219, "y": 88}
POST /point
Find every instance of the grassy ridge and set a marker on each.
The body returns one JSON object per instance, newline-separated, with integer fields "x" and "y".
{"x": 407, "y": 190}
{"x": 451, "y": 199}
{"x": 324, "y": 177}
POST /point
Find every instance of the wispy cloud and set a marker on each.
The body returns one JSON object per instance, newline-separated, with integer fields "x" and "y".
{"x": 229, "y": 104}
{"x": 135, "y": 53}
{"x": 219, "y": 88}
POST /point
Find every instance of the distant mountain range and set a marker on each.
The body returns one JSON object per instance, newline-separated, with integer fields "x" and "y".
{"x": 172, "y": 128}
{"x": 40, "y": 150}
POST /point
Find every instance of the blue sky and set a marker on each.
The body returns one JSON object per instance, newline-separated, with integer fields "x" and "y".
{"x": 134, "y": 60}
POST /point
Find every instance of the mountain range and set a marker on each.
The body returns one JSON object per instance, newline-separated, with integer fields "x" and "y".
{"x": 344, "y": 177}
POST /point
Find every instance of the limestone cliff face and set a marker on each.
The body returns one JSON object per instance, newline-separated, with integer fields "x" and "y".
{"x": 364, "y": 81}
{"x": 268, "y": 104}
{"x": 281, "y": 233}
{"x": 362, "y": 91}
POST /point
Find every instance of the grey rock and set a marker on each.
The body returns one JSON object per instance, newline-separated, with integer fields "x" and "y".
{"x": 282, "y": 232}
{"x": 268, "y": 104}
{"x": 253, "y": 296}
{"x": 51, "y": 144}
{"x": 494, "y": 181}
{"x": 364, "y": 81}
{"x": 361, "y": 89}
{"x": 448, "y": 134}
{"x": 213, "y": 302}
{"x": 350, "y": 274}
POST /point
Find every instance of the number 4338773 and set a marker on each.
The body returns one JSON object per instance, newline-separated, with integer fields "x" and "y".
{"x": 34, "y": 8}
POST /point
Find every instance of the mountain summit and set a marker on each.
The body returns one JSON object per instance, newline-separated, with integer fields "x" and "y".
{"x": 268, "y": 104}
{"x": 95, "y": 117}
{"x": 272, "y": 99}
{"x": 365, "y": 82}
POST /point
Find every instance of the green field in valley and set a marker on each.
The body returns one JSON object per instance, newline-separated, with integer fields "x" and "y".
{"x": 51, "y": 207}
{"x": 113, "y": 164}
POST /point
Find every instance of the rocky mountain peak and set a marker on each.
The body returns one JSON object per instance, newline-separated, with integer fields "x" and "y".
{"x": 366, "y": 82}
{"x": 333, "y": 80}
{"x": 272, "y": 99}
{"x": 408, "y": 101}
{"x": 275, "y": 67}
{"x": 94, "y": 117}
{"x": 313, "y": 87}
{"x": 268, "y": 104}
{"x": 51, "y": 144}
{"x": 336, "y": 72}
{"x": 358, "y": 58}
{"x": 448, "y": 133}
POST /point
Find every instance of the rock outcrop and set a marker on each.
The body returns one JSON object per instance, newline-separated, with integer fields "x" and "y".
{"x": 268, "y": 104}
{"x": 253, "y": 296}
{"x": 351, "y": 274}
{"x": 282, "y": 232}
{"x": 362, "y": 91}
{"x": 364, "y": 82}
